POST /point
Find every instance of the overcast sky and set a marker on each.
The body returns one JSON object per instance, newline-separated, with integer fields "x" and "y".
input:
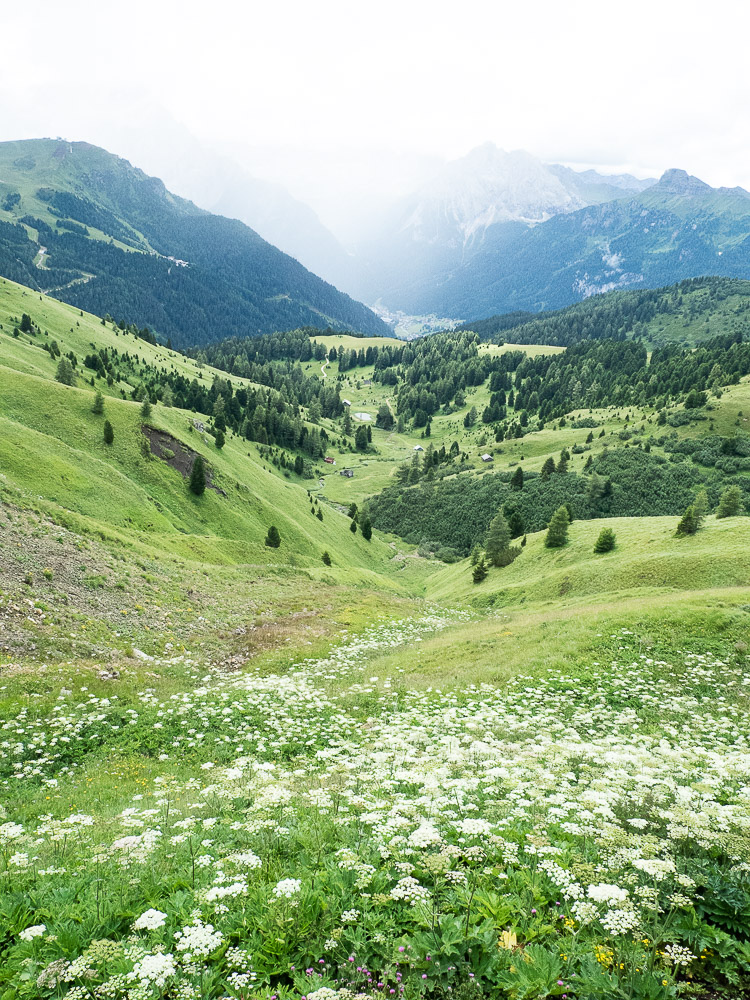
{"x": 643, "y": 85}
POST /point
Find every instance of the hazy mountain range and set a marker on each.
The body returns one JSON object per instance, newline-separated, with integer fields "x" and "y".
{"x": 498, "y": 231}
{"x": 676, "y": 228}
{"x": 492, "y": 232}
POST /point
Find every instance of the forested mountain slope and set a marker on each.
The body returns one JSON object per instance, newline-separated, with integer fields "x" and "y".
{"x": 89, "y": 228}
{"x": 686, "y": 313}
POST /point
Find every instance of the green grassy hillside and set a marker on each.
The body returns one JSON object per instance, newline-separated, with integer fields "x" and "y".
{"x": 648, "y": 561}
{"x": 78, "y": 331}
{"x": 53, "y": 453}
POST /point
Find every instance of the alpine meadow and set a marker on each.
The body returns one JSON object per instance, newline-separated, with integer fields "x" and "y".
{"x": 374, "y": 535}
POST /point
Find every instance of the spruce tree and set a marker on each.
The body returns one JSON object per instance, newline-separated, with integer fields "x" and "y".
{"x": 479, "y": 572}
{"x": 220, "y": 440}
{"x": 360, "y": 438}
{"x": 353, "y": 527}
{"x": 476, "y": 552}
{"x": 498, "y": 540}
{"x": 689, "y": 523}
{"x": 515, "y": 522}
{"x": 109, "y": 433}
{"x": 98, "y": 406}
{"x": 366, "y": 527}
{"x": 557, "y": 532}
{"x": 326, "y": 557}
{"x": 700, "y": 506}
{"x": 273, "y": 538}
{"x": 730, "y": 502}
{"x": 145, "y": 408}
{"x": 65, "y": 373}
{"x": 219, "y": 409}
{"x": 605, "y": 542}
{"x": 516, "y": 480}
{"x": 198, "y": 477}
{"x": 319, "y": 515}
{"x": 548, "y": 468}
{"x": 595, "y": 489}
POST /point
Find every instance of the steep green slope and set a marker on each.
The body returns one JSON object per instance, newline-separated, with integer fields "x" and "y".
{"x": 53, "y": 453}
{"x": 221, "y": 759}
{"x": 98, "y": 233}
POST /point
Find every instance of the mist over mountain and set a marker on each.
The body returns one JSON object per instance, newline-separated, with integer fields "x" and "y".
{"x": 231, "y": 186}
{"x": 469, "y": 206}
{"x": 495, "y": 232}
{"x": 491, "y": 232}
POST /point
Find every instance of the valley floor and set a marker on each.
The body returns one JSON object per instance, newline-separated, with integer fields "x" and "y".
{"x": 387, "y": 798}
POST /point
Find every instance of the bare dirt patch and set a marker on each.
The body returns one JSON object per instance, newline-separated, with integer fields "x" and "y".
{"x": 176, "y": 454}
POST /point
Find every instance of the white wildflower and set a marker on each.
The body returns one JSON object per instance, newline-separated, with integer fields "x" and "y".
{"x": 150, "y": 920}
{"x": 29, "y": 933}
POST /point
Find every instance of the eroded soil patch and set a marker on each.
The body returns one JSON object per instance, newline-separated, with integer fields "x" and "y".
{"x": 172, "y": 451}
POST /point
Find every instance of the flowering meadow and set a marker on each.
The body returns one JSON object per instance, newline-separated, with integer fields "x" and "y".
{"x": 328, "y": 832}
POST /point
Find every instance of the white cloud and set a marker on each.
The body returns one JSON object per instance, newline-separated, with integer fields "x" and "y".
{"x": 649, "y": 85}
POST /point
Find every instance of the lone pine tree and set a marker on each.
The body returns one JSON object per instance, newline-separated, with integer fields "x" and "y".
{"x": 557, "y": 532}
{"x": 273, "y": 538}
{"x": 480, "y": 571}
{"x": 498, "y": 540}
{"x": 700, "y": 506}
{"x": 198, "y": 477}
{"x": 65, "y": 373}
{"x": 689, "y": 523}
{"x": 605, "y": 542}
{"x": 515, "y": 521}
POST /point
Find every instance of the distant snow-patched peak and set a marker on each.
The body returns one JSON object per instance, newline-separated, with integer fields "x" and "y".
{"x": 487, "y": 186}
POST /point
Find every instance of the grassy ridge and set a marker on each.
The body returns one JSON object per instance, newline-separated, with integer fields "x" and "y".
{"x": 648, "y": 560}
